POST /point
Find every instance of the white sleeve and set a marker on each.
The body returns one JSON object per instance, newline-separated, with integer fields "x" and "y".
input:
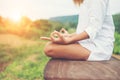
{"x": 97, "y": 11}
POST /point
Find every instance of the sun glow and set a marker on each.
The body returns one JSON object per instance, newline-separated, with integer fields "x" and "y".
{"x": 16, "y": 16}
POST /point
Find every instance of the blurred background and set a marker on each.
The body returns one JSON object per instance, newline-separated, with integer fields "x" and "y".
{"x": 23, "y": 22}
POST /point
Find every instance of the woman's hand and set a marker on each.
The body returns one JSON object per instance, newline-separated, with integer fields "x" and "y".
{"x": 62, "y": 37}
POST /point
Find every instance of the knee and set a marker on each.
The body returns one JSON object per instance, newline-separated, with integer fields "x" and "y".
{"x": 49, "y": 50}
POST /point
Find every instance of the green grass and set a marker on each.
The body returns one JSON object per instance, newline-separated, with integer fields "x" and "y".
{"x": 117, "y": 43}
{"x": 25, "y": 63}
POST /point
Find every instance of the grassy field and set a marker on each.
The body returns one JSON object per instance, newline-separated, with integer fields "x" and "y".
{"x": 21, "y": 50}
{"x": 22, "y": 62}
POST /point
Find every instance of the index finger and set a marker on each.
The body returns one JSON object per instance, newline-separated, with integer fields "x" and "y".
{"x": 45, "y": 38}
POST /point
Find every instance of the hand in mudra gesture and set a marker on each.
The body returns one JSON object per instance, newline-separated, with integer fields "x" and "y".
{"x": 62, "y": 37}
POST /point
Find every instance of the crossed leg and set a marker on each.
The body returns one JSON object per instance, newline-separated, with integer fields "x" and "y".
{"x": 71, "y": 51}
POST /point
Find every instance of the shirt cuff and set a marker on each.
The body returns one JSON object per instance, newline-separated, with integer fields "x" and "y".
{"x": 90, "y": 33}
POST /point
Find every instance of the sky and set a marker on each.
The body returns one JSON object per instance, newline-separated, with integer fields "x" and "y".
{"x": 44, "y": 9}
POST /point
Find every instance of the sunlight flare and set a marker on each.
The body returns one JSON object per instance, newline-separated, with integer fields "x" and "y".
{"x": 16, "y": 16}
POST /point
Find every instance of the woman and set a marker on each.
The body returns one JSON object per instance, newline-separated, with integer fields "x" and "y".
{"x": 94, "y": 37}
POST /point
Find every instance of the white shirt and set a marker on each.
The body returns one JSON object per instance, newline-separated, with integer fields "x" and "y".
{"x": 96, "y": 20}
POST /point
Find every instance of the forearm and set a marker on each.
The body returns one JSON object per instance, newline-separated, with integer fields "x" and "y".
{"x": 72, "y": 34}
{"x": 78, "y": 37}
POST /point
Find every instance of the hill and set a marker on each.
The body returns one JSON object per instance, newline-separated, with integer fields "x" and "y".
{"x": 70, "y": 22}
{"x": 65, "y": 19}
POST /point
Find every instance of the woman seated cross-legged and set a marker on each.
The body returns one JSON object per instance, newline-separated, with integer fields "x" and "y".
{"x": 94, "y": 36}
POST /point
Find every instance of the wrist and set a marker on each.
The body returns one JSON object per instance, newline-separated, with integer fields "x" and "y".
{"x": 73, "y": 39}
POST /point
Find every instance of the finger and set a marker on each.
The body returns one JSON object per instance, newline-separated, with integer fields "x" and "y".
{"x": 52, "y": 37}
{"x": 63, "y": 31}
{"x": 59, "y": 35}
{"x": 54, "y": 34}
{"x": 58, "y": 38}
{"x": 45, "y": 38}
